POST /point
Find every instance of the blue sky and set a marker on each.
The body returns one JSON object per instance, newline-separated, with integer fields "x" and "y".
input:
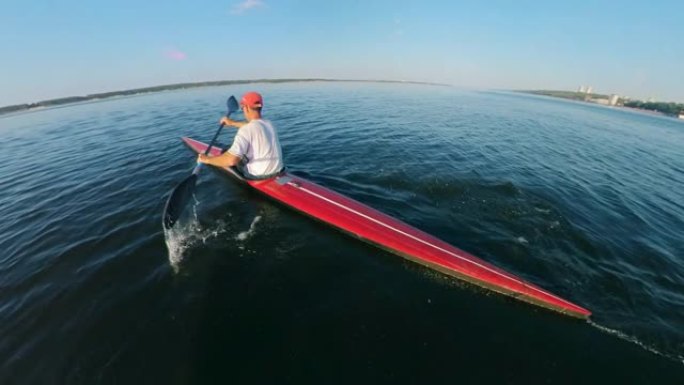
{"x": 61, "y": 48}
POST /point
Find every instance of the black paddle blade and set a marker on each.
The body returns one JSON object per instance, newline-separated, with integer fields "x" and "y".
{"x": 232, "y": 105}
{"x": 179, "y": 198}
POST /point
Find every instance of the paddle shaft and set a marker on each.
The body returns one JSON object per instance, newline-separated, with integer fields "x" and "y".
{"x": 211, "y": 144}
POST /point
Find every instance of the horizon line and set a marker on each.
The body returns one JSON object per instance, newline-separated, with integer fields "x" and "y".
{"x": 171, "y": 86}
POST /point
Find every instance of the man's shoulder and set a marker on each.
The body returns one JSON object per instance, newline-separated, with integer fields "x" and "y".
{"x": 258, "y": 123}
{"x": 249, "y": 126}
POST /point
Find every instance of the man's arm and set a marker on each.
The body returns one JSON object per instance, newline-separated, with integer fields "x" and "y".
{"x": 224, "y": 160}
{"x": 230, "y": 122}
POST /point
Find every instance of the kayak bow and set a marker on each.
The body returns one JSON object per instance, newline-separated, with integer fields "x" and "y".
{"x": 396, "y": 236}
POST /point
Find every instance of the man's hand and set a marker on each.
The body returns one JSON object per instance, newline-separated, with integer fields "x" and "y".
{"x": 228, "y": 122}
{"x": 203, "y": 159}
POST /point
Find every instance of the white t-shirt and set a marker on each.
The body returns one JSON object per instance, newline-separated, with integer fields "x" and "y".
{"x": 257, "y": 144}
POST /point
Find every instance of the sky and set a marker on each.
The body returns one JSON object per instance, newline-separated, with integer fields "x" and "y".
{"x": 51, "y": 49}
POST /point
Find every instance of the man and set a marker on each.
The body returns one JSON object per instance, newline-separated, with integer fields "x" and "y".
{"x": 256, "y": 147}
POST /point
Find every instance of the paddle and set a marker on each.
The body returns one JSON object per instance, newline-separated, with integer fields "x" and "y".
{"x": 180, "y": 196}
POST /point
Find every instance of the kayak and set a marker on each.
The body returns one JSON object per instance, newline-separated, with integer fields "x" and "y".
{"x": 395, "y": 236}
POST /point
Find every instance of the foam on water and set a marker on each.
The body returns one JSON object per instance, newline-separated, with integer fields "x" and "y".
{"x": 246, "y": 234}
{"x": 636, "y": 341}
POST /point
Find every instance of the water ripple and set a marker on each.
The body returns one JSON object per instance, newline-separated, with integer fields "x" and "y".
{"x": 585, "y": 202}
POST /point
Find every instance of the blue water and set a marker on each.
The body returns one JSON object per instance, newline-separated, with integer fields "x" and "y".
{"x": 585, "y": 201}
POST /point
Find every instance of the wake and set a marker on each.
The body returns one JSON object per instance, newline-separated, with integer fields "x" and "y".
{"x": 634, "y": 340}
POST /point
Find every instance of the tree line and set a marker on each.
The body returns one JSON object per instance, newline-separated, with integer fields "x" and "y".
{"x": 668, "y": 108}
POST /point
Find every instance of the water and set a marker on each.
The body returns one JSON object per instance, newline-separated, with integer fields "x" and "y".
{"x": 582, "y": 200}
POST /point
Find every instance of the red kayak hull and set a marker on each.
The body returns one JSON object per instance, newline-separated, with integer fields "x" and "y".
{"x": 396, "y": 236}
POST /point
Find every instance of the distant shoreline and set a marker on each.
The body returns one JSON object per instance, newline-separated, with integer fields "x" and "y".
{"x": 669, "y": 109}
{"x": 179, "y": 86}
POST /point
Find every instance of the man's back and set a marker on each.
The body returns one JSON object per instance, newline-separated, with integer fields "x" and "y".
{"x": 258, "y": 145}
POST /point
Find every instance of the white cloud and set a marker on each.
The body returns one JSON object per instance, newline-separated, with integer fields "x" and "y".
{"x": 246, "y": 6}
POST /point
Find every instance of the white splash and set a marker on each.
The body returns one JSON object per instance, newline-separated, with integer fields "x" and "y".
{"x": 177, "y": 241}
{"x": 246, "y": 234}
{"x": 185, "y": 234}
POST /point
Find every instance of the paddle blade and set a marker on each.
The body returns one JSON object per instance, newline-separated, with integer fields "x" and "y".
{"x": 178, "y": 200}
{"x": 232, "y": 105}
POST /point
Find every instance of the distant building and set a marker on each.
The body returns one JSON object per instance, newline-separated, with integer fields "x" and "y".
{"x": 613, "y": 101}
{"x": 585, "y": 90}
{"x": 681, "y": 115}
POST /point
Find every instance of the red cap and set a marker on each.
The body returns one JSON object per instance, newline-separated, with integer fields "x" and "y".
{"x": 251, "y": 100}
